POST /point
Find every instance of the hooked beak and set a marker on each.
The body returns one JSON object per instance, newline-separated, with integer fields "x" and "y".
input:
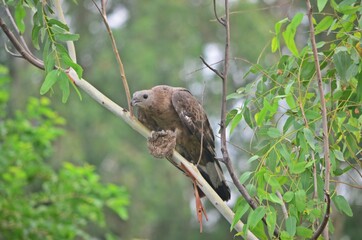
{"x": 134, "y": 101}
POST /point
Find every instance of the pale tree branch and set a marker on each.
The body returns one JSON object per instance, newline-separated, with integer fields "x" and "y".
{"x": 127, "y": 117}
{"x": 70, "y": 44}
{"x": 284, "y": 208}
{"x": 327, "y": 164}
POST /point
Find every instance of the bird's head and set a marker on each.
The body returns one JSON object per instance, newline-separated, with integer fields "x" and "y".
{"x": 142, "y": 99}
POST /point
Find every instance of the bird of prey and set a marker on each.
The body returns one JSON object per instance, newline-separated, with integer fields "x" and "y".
{"x": 177, "y": 120}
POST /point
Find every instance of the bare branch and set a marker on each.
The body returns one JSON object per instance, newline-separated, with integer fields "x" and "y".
{"x": 221, "y": 21}
{"x": 325, "y": 219}
{"x": 115, "y": 50}
{"x": 20, "y": 48}
{"x": 327, "y": 164}
{"x": 211, "y": 68}
{"x": 22, "y": 40}
{"x": 284, "y": 208}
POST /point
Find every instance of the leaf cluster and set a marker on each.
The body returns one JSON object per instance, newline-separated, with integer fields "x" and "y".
{"x": 38, "y": 202}
{"x": 50, "y": 35}
{"x": 282, "y": 107}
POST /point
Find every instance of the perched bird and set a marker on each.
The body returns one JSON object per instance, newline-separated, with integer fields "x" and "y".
{"x": 177, "y": 120}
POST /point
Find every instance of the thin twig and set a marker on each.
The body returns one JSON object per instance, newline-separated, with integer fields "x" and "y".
{"x": 115, "y": 49}
{"x": 315, "y": 192}
{"x": 19, "y": 47}
{"x": 211, "y": 68}
{"x": 284, "y": 208}
{"x": 221, "y": 21}
{"x": 22, "y": 40}
{"x": 324, "y": 223}
{"x": 324, "y": 113}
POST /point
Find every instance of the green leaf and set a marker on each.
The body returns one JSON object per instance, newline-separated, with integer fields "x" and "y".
{"x": 274, "y": 198}
{"x": 253, "y": 158}
{"x": 300, "y": 198}
{"x": 64, "y": 37}
{"x": 235, "y": 121}
{"x": 273, "y": 133}
{"x": 230, "y": 116}
{"x": 339, "y": 155}
{"x": 272, "y": 181}
{"x": 55, "y": 22}
{"x": 64, "y": 86}
{"x": 288, "y": 196}
{"x": 35, "y": 36}
{"x": 290, "y": 32}
{"x": 245, "y": 176}
{"x": 241, "y": 210}
{"x": 19, "y": 15}
{"x": 255, "y": 216}
{"x": 50, "y": 79}
{"x": 298, "y": 168}
{"x": 271, "y": 219}
{"x": 290, "y": 101}
{"x": 68, "y": 61}
{"x": 342, "y": 205}
{"x": 291, "y": 225}
{"x": 275, "y": 44}
{"x": 285, "y": 236}
{"x": 324, "y": 24}
{"x": 342, "y": 61}
{"x": 234, "y": 95}
{"x": 309, "y": 136}
{"x": 279, "y": 24}
{"x": 304, "y": 232}
{"x": 49, "y": 62}
{"x": 247, "y": 117}
{"x": 321, "y": 4}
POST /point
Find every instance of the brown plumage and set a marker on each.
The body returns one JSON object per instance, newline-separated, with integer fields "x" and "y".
{"x": 165, "y": 108}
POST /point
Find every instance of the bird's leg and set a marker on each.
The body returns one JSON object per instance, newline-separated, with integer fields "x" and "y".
{"x": 200, "y": 210}
{"x": 162, "y": 143}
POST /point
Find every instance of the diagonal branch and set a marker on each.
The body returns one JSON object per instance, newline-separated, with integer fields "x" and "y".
{"x": 19, "y": 47}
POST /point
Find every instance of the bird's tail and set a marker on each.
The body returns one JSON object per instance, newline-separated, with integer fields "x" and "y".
{"x": 213, "y": 174}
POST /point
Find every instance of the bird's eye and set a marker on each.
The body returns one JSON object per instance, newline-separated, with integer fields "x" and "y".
{"x": 145, "y": 96}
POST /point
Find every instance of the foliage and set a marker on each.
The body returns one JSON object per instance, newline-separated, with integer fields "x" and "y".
{"x": 282, "y": 106}
{"x": 52, "y": 35}
{"x": 36, "y": 201}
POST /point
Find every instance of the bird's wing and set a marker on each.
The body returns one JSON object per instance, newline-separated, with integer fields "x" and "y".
{"x": 193, "y": 116}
